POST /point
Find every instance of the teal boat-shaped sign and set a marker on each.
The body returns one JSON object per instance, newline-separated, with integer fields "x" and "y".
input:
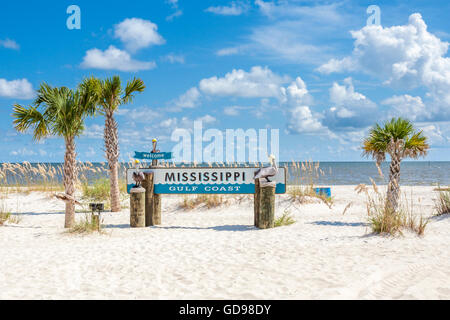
{"x": 206, "y": 180}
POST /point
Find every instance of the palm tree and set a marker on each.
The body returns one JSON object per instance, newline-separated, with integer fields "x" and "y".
{"x": 400, "y": 140}
{"x": 110, "y": 95}
{"x": 59, "y": 112}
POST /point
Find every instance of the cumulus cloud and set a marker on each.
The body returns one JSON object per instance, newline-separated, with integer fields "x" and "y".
{"x": 302, "y": 120}
{"x": 300, "y": 117}
{"x": 9, "y": 44}
{"x": 258, "y": 83}
{"x": 189, "y": 99}
{"x": 405, "y": 56}
{"x": 114, "y": 59}
{"x": 350, "y": 109}
{"x": 235, "y": 8}
{"x": 137, "y": 34}
{"x": 408, "y": 107}
{"x": 17, "y": 89}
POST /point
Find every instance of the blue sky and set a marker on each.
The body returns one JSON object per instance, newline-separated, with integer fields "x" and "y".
{"x": 311, "y": 69}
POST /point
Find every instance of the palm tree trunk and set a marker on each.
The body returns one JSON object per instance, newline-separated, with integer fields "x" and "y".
{"x": 393, "y": 193}
{"x": 69, "y": 180}
{"x": 112, "y": 155}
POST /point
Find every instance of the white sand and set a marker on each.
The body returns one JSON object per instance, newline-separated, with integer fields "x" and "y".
{"x": 218, "y": 254}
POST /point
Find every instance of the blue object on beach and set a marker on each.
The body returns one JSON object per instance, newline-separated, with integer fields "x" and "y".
{"x": 323, "y": 191}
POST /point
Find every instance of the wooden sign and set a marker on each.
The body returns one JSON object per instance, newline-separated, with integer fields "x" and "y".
{"x": 153, "y": 156}
{"x": 206, "y": 180}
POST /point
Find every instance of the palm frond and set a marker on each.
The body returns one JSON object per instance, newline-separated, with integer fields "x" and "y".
{"x": 380, "y": 140}
{"x": 135, "y": 85}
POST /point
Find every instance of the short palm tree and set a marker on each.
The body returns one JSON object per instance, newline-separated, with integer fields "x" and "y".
{"x": 400, "y": 140}
{"x": 59, "y": 112}
{"x": 110, "y": 95}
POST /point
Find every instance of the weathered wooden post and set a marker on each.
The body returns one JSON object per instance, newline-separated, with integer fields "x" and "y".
{"x": 156, "y": 213}
{"x": 149, "y": 187}
{"x": 156, "y": 210}
{"x": 152, "y": 202}
{"x": 257, "y": 202}
{"x": 267, "y": 206}
{"x": 137, "y": 207}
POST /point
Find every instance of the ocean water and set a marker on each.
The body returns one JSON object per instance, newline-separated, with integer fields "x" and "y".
{"x": 412, "y": 173}
{"x": 334, "y": 173}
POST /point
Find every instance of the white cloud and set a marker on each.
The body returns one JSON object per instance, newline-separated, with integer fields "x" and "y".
{"x": 114, "y": 59}
{"x": 9, "y": 44}
{"x": 231, "y": 111}
{"x": 23, "y": 152}
{"x": 18, "y": 89}
{"x": 300, "y": 117}
{"x": 258, "y": 83}
{"x": 302, "y": 120}
{"x": 94, "y": 131}
{"x": 173, "y": 58}
{"x": 228, "y": 51}
{"x": 408, "y": 107}
{"x": 137, "y": 33}
{"x": 177, "y": 13}
{"x": 405, "y": 56}
{"x": 294, "y": 31}
{"x": 350, "y": 109}
{"x": 189, "y": 99}
{"x": 235, "y": 8}
{"x": 206, "y": 119}
{"x": 142, "y": 114}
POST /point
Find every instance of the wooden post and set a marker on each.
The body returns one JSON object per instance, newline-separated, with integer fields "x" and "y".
{"x": 156, "y": 216}
{"x": 267, "y": 209}
{"x": 96, "y": 221}
{"x": 149, "y": 197}
{"x": 156, "y": 209}
{"x": 137, "y": 207}
{"x": 257, "y": 202}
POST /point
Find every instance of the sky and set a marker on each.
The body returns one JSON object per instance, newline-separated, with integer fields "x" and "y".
{"x": 315, "y": 70}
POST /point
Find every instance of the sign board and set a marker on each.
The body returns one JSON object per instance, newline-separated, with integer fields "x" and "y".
{"x": 153, "y": 156}
{"x": 206, "y": 180}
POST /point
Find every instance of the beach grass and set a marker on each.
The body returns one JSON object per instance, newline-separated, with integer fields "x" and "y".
{"x": 383, "y": 220}
{"x": 442, "y": 203}
{"x": 305, "y": 177}
{"x": 87, "y": 225}
{"x": 285, "y": 219}
{"x": 207, "y": 200}
{"x": 8, "y": 217}
{"x": 99, "y": 191}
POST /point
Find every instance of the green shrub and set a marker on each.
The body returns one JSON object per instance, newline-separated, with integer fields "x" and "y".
{"x": 284, "y": 220}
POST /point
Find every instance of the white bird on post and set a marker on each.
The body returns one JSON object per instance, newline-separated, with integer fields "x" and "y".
{"x": 138, "y": 176}
{"x": 268, "y": 172}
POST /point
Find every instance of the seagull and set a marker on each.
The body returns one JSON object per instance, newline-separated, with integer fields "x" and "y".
{"x": 268, "y": 171}
{"x": 138, "y": 176}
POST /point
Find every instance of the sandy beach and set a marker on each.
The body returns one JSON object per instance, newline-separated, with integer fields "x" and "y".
{"x": 218, "y": 254}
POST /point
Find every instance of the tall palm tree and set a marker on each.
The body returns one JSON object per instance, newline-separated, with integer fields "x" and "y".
{"x": 110, "y": 96}
{"x": 59, "y": 112}
{"x": 400, "y": 140}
